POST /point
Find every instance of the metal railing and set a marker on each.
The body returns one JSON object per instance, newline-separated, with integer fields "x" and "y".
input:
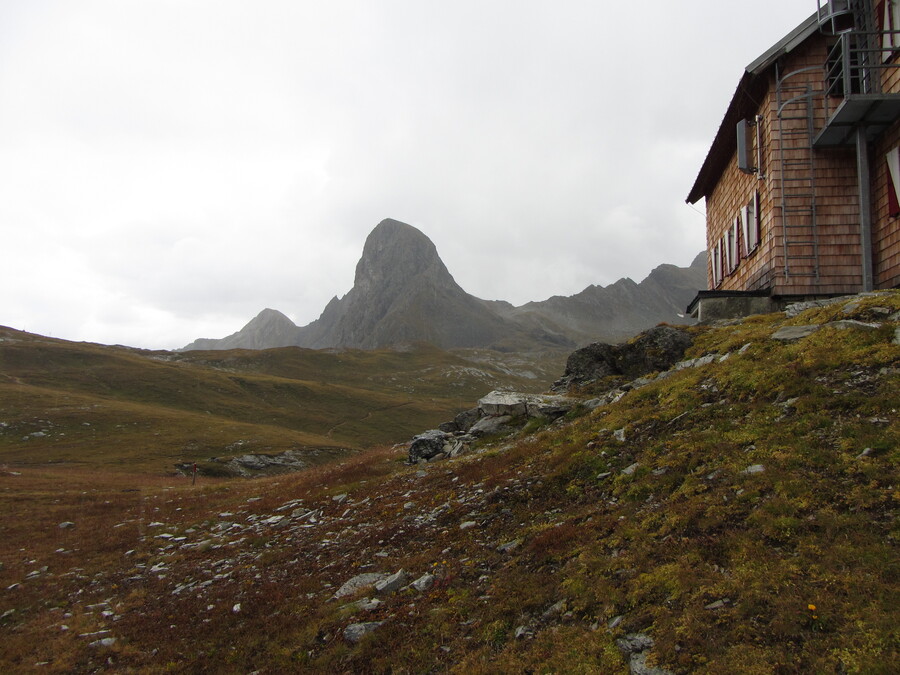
{"x": 856, "y": 64}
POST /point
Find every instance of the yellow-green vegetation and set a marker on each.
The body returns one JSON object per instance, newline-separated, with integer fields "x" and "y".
{"x": 741, "y": 513}
{"x": 100, "y": 406}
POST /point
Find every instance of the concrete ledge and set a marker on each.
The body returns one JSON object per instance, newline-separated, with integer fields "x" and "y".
{"x": 710, "y": 306}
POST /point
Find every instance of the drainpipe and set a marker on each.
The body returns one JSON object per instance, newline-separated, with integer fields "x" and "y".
{"x": 865, "y": 208}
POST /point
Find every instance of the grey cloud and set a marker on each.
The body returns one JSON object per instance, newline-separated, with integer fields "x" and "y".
{"x": 187, "y": 164}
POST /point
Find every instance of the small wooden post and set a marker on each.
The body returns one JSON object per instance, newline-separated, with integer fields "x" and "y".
{"x": 194, "y": 476}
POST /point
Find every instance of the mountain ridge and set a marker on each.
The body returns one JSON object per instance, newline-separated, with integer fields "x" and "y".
{"x": 403, "y": 292}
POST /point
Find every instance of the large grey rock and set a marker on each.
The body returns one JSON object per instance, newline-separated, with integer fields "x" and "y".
{"x": 392, "y": 583}
{"x": 423, "y": 583}
{"x": 427, "y": 445}
{"x": 657, "y": 349}
{"x": 515, "y": 404}
{"x": 462, "y": 422}
{"x": 357, "y": 631}
{"x": 791, "y": 333}
{"x": 359, "y": 582}
{"x": 491, "y": 425}
{"x": 503, "y": 403}
{"x": 547, "y": 405}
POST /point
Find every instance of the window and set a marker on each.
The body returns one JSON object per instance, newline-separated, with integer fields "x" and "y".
{"x": 893, "y": 183}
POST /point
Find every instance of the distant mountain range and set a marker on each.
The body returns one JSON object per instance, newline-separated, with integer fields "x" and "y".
{"x": 403, "y": 293}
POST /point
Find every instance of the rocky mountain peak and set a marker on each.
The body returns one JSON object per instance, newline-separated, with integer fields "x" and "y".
{"x": 396, "y": 254}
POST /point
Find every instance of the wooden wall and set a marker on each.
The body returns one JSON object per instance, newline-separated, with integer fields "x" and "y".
{"x": 885, "y": 228}
{"x": 837, "y": 203}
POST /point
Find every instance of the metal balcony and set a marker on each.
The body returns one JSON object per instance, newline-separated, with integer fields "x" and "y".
{"x": 854, "y": 71}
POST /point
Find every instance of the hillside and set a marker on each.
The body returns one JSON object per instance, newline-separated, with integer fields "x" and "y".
{"x": 94, "y": 405}
{"x": 403, "y": 292}
{"x": 734, "y": 516}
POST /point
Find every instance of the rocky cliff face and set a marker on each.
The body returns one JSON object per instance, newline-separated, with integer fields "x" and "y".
{"x": 403, "y": 293}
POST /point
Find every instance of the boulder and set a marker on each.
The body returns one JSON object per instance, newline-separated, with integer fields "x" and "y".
{"x": 657, "y": 349}
{"x": 423, "y": 583}
{"x": 462, "y": 422}
{"x": 427, "y": 445}
{"x": 790, "y": 333}
{"x": 504, "y": 403}
{"x": 357, "y": 631}
{"x": 491, "y": 425}
{"x": 360, "y": 581}
{"x": 392, "y": 583}
{"x": 547, "y": 405}
{"x": 515, "y": 404}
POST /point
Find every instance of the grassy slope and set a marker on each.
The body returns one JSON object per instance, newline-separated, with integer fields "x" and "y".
{"x": 101, "y": 406}
{"x": 790, "y": 570}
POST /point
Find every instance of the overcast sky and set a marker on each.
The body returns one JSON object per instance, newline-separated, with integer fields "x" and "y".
{"x": 169, "y": 168}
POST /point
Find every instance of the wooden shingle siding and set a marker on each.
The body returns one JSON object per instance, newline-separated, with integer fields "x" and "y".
{"x": 885, "y": 228}
{"x": 785, "y": 261}
{"x": 836, "y": 199}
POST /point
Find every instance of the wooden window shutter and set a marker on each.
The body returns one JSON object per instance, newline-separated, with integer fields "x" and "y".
{"x": 893, "y": 183}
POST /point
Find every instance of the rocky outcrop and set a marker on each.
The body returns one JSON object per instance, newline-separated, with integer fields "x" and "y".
{"x": 497, "y": 412}
{"x": 428, "y": 445}
{"x": 657, "y": 349}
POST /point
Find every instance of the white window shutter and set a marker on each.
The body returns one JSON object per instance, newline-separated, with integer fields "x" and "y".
{"x": 893, "y": 162}
{"x": 890, "y": 22}
{"x": 887, "y": 39}
{"x": 717, "y": 263}
{"x": 757, "y": 224}
{"x": 895, "y": 21}
{"x": 745, "y": 230}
